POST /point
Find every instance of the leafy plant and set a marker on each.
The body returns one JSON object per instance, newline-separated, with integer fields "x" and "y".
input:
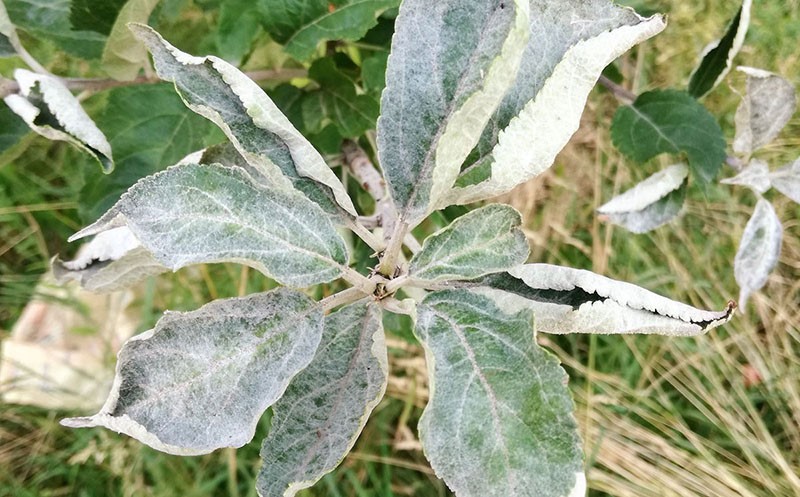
{"x": 479, "y": 97}
{"x": 672, "y": 121}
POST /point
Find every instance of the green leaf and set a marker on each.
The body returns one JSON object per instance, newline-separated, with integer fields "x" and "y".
{"x": 499, "y": 421}
{"x": 566, "y": 300}
{"x": 302, "y": 26}
{"x": 759, "y": 250}
{"x": 238, "y": 25}
{"x": 672, "y": 122}
{"x": 12, "y": 129}
{"x": 201, "y": 380}
{"x": 450, "y": 64}
{"x": 539, "y": 114}
{"x": 49, "y": 109}
{"x": 123, "y": 54}
{"x": 149, "y": 129}
{"x": 483, "y": 241}
{"x": 336, "y": 101}
{"x": 262, "y": 134}
{"x": 9, "y": 42}
{"x": 113, "y": 260}
{"x": 718, "y": 56}
{"x": 651, "y": 203}
{"x": 767, "y": 106}
{"x": 317, "y": 421}
{"x": 191, "y": 214}
{"x": 51, "y": 20}
{"x": 91, "y": 15}
{"x": 373, "y": 73}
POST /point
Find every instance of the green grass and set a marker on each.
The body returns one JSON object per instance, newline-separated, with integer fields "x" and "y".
{"x": 659, "y": 417}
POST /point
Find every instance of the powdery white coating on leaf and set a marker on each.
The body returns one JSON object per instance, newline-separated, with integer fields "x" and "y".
{"x": 192, "y": 214}
{"x": 709, "y": 63}
{"x": 531, "y": 141}
{"x": 74, "y": 125}
{"x": 767, "y": 106}
{"x": 650, "y": 204}
{"x": 325, "y": 407}
{"x": 566, "y": 300}
{"x": 787, "y": 180}
{"x": 480, "y": 242}
{"x": 113, "y": 260}
{"x": 758, "y": 251}
{"x": 448, "y": 59}
{"x": 465, "y": 125}
{"x": 200, "y": 380}
{"x": 248, "y": 117}
{"x": 266, "y": 115}
{"x": 499, "y": 420}
{"x": 755, "y": 176}
{"x": 648, "y": 191}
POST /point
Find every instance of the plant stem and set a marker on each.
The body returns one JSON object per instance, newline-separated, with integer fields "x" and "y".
{"x": 344, "y": 297}
{"x": 8, "y": 86}
{"x": 358, "y": 280}
{"x": 622, "y": 94}
{"x": 389, "y": 260}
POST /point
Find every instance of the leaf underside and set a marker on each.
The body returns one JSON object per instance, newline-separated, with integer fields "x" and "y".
{"x": 651, "y": 203}
{"x": 566, "y": 300}
{"x": 758, "y": 251}
{"x": 716, "y": 63}
{"x": 262, "y": 134}
{"x": 767, "y": 106}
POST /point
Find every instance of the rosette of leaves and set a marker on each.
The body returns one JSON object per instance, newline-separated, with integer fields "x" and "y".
{"x": 480, "y": 96}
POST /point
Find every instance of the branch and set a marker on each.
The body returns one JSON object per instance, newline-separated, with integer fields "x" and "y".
{"x": 8, "y": 86}
{"x": 622, "y": 94}
{"x": 373, "y": 183}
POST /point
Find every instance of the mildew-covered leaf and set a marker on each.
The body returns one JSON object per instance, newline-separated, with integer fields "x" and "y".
{"x": 325, "y": 407}
{"x": 755, "y": 176}
{"x": 124, "y": 55}
{"x": 194, "y": 213}
{"x": 261, "y": 133}
{"x": 717, "y": 58}
{"x": 787, "y": 180}
{"x": 483, "y": 241}
{"x": 566, "y": 300}
{"x": 672, "y": 122}
{"x": 758, "y": 251}
{"x": 49, "y": 109}
{"x": 499, "y": 421}
{"x": 302, "y": 26}
{"x": 768, "y": 104}
{"x": 651, "y": 203}
{"x": 451, "y": 62}
{"x": 200, "y": 380}
{"x": 112, "y": 261}
{"x": 560, "y": 66}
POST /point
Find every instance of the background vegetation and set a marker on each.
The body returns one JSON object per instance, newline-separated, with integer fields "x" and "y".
{"x": 714, "y": 415}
